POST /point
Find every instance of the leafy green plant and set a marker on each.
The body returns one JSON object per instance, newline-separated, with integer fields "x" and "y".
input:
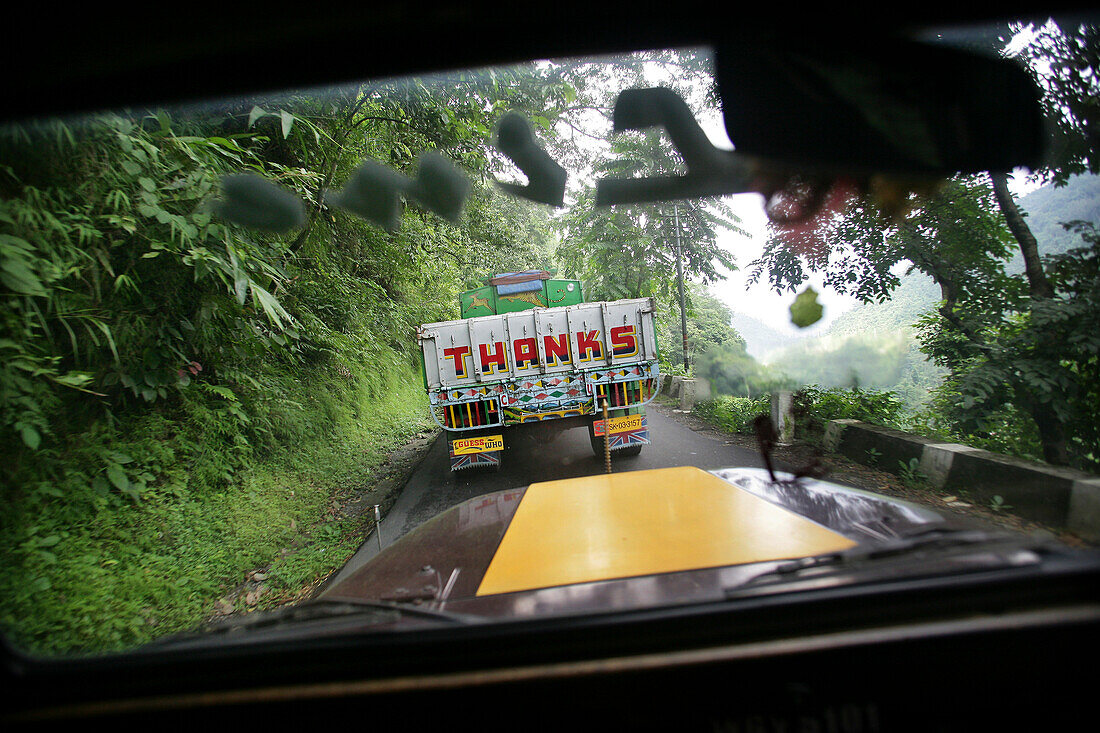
{"x": 997, "y": 504}
{"x": 910, "y": 472}
{"x": 814, "y": 406}
{"x": 178, "y": 392}
{"x": 678, "y": 370}
{"x": 735, "y": 414}
{"x": 872, "y": 456}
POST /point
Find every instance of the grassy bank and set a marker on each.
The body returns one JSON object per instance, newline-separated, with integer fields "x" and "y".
{"x": 117, "y": 574}
{"x": 735, "y": 414}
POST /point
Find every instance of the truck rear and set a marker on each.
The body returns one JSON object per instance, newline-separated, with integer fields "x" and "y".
{"x": 540, "y": 368}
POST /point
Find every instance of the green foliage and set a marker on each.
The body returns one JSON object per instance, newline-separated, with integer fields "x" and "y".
{"x": 910, "y": 472}
{"x": 732, "y": 371}
{"x": 708, "y": 327}
{"x": 630, "y": 251}
{"x": 118, "y": 574}
{"x": 1044, "y": 362}
{"x": 1007, "y": 354}
{"x": 178, "y": 392}
{"x": 735, "y": 414}
{"x": 1063, "y": 57}
{"x": 817, "y": 406}
{"x": 861, "y": 360}
{"x": 1018, "y": 348}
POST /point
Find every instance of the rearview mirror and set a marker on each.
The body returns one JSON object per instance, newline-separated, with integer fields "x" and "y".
{"x": 891, "y": 106}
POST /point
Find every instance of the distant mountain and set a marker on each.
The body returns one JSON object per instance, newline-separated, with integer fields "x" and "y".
{"x": 916, "y": 295}
{"x": 1047, "y": 207}
{"x": 762, "y": 339}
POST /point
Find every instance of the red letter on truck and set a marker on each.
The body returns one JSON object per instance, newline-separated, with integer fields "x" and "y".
{"x": 459, "y": 354}
{"x": 557, "y": 348}
{"x": 498, "y": 359}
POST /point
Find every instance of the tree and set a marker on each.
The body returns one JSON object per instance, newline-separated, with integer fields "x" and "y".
{"x": 1064, "y": 59}
{"x": 630, "y": 251}
{"x": 1011, "y": 343}
{"x": 708, "y": 326}
{"x": 1007, "y": 348}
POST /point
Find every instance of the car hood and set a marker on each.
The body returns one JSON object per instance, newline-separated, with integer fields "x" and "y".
{"x": 627, "y": 540}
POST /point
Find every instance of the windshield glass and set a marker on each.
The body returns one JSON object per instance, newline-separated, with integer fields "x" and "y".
{"x": 233, "y": 333}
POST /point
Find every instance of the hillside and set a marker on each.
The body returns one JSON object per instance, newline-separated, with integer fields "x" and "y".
{"x": 916, "y": 294}
{"x": 761, "y": 339}
{"x": 1047, "y": 207}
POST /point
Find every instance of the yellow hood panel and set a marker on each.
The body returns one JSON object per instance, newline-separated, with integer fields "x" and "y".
{"x": 643, "y": 523}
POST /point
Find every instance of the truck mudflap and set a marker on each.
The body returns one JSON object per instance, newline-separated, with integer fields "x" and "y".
{"x": 474, "y": 452}
{"x": 626, "y": 431}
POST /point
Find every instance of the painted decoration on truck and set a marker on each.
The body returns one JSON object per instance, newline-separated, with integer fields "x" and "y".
{"x": 480, "y": 302}
{"x": 473, "y": 460}
{"x": 530, "y": 297}
{"x": 480, "y": 444}
{"x": 543, "y": 342}
{"x": 520, "y": 415}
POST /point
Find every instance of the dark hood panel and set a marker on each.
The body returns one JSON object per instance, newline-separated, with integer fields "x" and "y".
{"x": 443, "y": 561}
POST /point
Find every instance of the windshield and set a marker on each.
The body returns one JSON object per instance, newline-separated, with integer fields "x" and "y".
{"x": 229, "y": 346}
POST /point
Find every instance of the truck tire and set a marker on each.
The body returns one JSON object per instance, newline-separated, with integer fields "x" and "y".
{"x": 629, "y": 452}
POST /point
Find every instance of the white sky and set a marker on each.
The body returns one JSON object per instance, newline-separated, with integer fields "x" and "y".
{"x": 759, "y": 300}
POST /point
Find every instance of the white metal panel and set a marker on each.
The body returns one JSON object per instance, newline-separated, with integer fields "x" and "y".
{"x": 484, "y": 349}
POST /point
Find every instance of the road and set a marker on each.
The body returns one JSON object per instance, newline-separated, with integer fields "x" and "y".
{"x": 433, "y": 489}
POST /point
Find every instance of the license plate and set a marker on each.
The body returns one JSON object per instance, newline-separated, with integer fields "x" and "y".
{"x": 619, "y": 424}
{"x": 483, "y": 444}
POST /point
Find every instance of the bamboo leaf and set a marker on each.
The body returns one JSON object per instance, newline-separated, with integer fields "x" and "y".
{"x": 18, "y": 276}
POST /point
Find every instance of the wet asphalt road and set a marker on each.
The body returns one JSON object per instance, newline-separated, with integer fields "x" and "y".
{"x": 432, "y": 487}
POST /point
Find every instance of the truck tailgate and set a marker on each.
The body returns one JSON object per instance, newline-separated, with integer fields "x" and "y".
{"x": 541, "y": 341}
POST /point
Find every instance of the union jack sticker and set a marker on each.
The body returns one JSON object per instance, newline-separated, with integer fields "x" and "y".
{"x": 473, "y": 460}
{"x": 627, "y": 438}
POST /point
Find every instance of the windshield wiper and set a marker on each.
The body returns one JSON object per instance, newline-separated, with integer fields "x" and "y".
{"x": 402, "y": 608}
{"x": 939, "y": 538}
{"x": 376, "y": 612}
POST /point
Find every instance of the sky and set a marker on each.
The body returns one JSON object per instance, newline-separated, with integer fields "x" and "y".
{"x": 759, "y": 300}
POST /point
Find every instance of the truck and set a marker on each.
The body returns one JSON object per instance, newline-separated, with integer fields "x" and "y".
{"x": 529, "y": 354}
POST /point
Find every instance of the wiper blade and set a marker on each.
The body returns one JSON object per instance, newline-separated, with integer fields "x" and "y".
{"x": 903, "y": 547}
{"x": 404, "y": 608}
{"x": 319, "y": 610}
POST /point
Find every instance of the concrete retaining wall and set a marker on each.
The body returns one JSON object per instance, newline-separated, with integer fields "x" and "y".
{"x": 687, "y": 389}
{"x": 1060, "y": 497}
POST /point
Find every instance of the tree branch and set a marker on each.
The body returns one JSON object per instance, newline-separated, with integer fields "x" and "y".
{"x": 1033, "y": 267}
